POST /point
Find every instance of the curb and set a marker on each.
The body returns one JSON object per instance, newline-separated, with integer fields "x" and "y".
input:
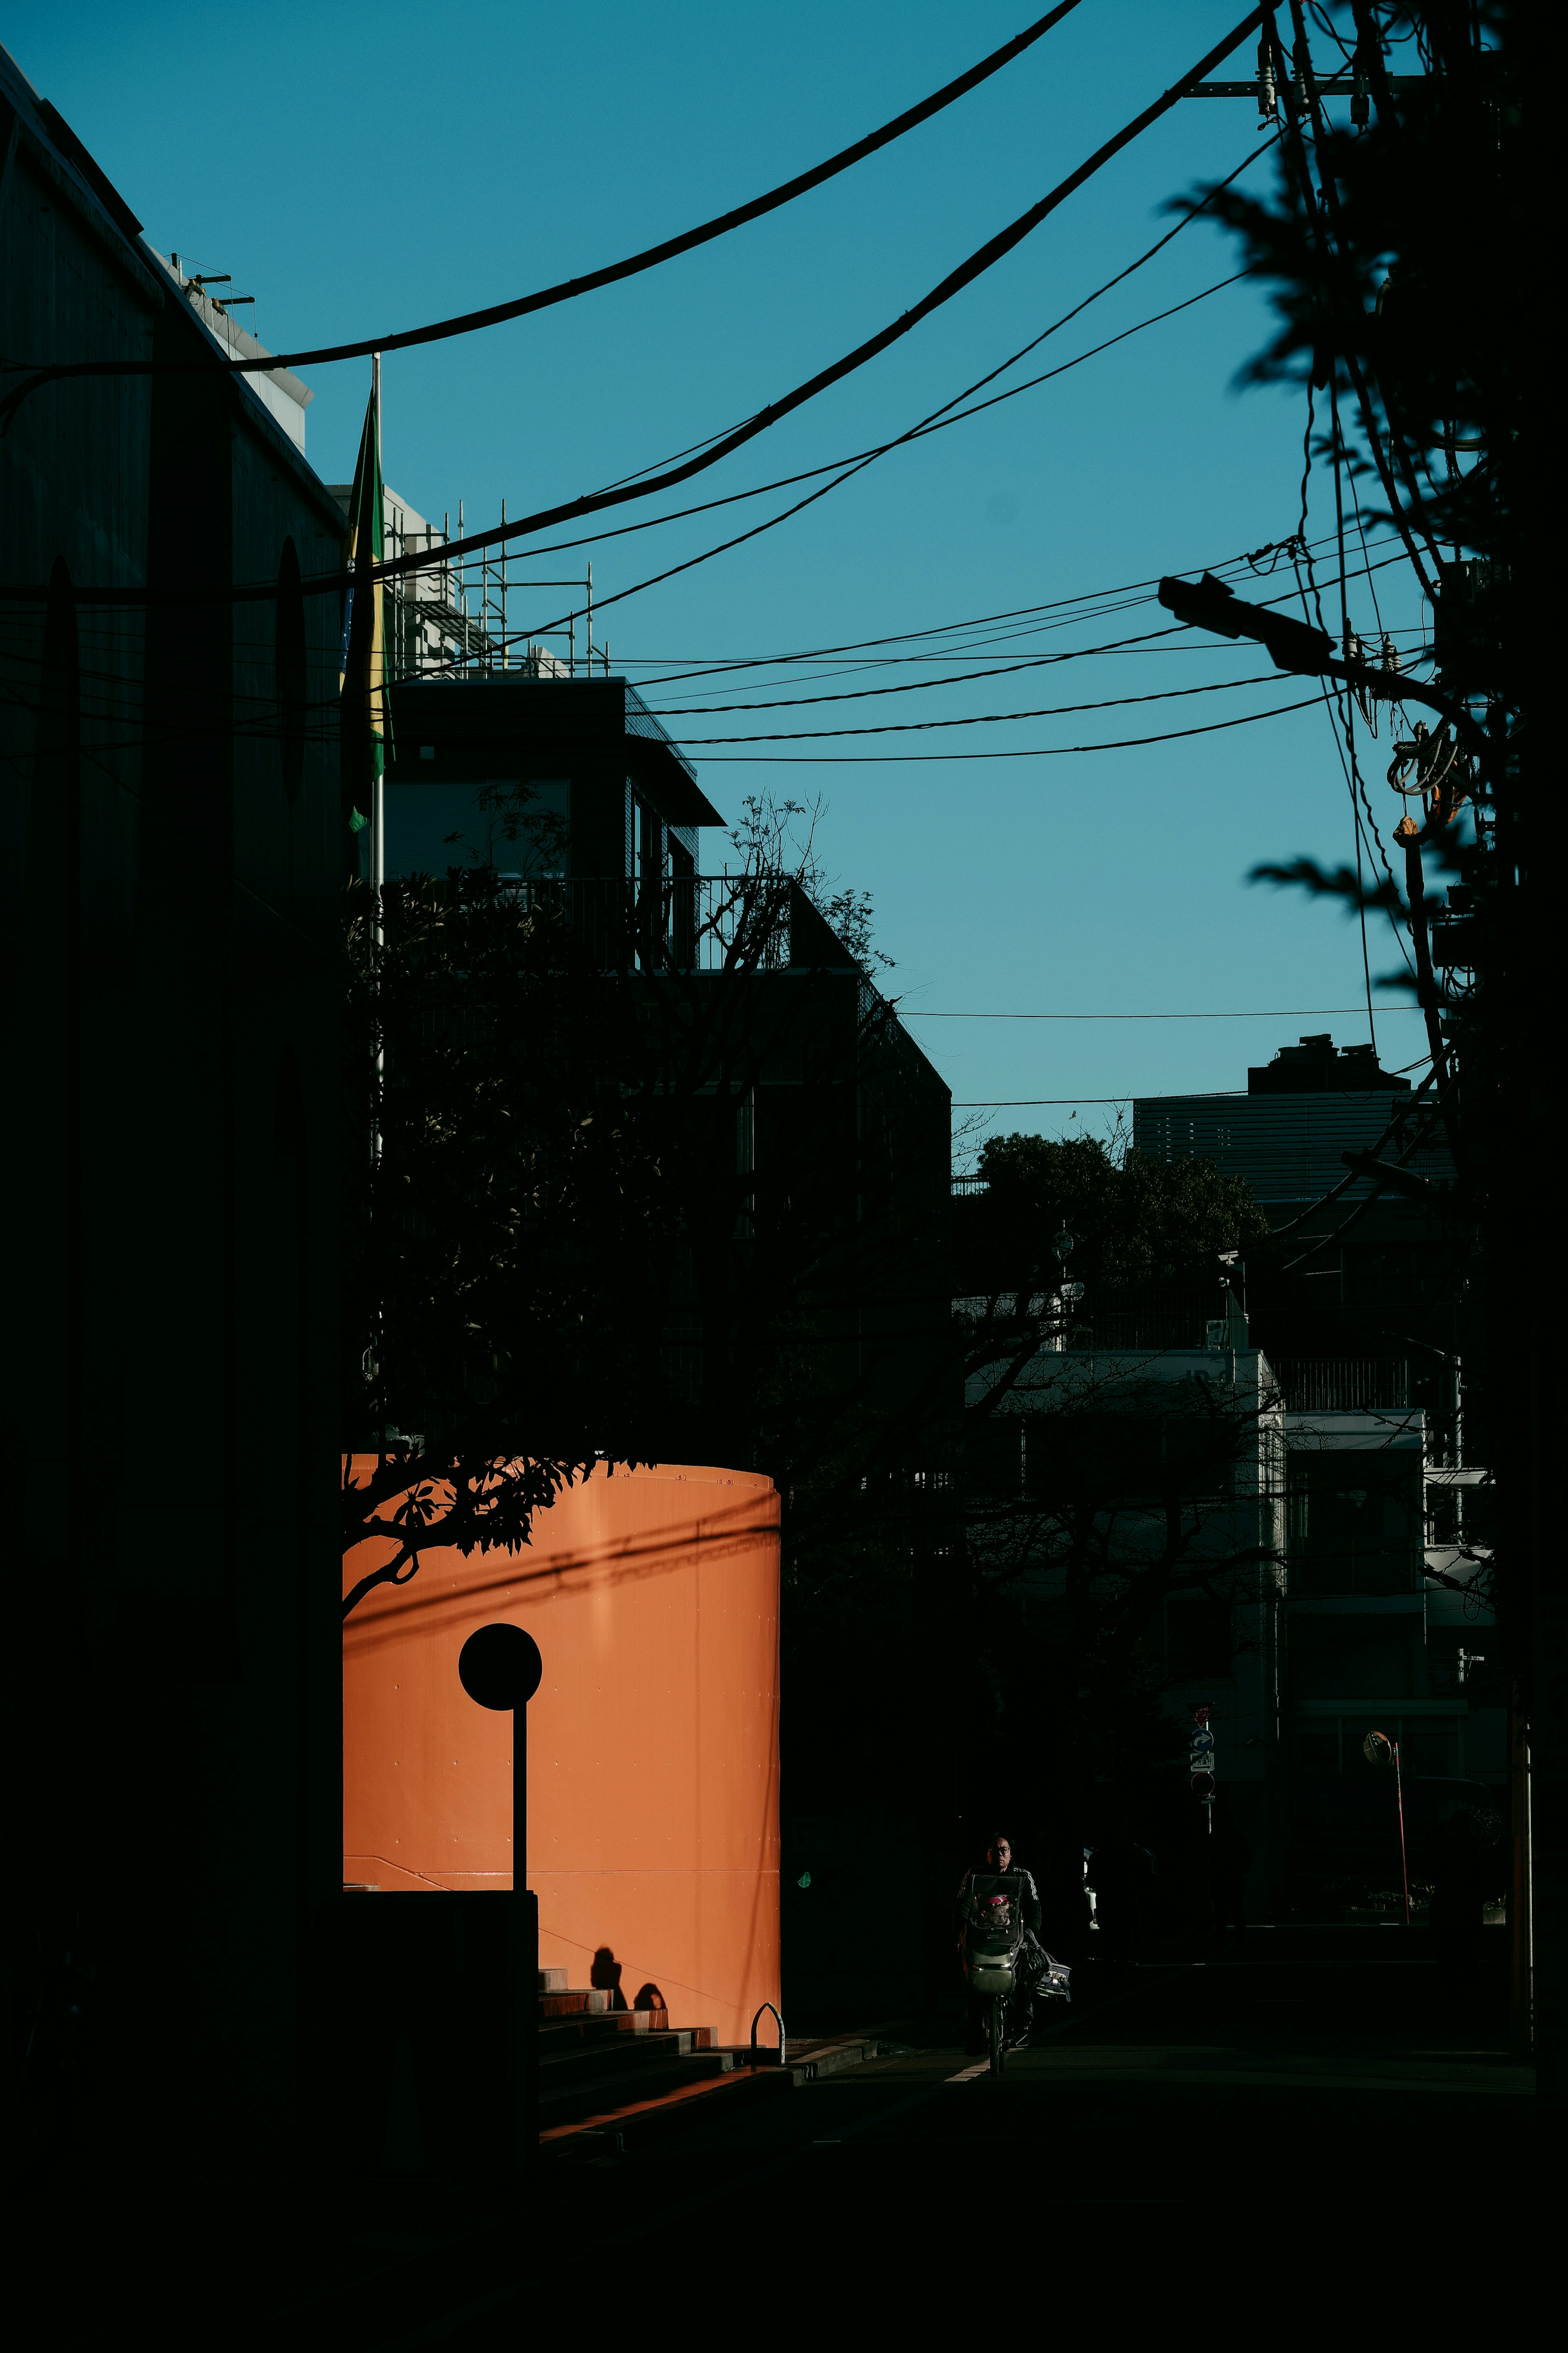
{"x": 606, "y": 2133}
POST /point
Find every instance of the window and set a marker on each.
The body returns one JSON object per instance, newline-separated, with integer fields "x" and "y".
{"x": 1352, "y": 1657}
{"x": 1354, "y": 1520}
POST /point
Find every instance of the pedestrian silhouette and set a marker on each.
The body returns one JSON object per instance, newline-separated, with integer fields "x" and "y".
{"x": 605, "y": 1974}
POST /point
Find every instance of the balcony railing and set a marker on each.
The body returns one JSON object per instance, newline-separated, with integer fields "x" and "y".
{"x": 693, "y": 923}
{"x": 1331, "y": 1385}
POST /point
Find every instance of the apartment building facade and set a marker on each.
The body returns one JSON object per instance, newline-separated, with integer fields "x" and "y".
{"x": 172, "y": 817}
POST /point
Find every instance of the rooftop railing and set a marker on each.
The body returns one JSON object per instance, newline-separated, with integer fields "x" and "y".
{"x": 693, "y": 923}
{"x": 1332, "y": 1385}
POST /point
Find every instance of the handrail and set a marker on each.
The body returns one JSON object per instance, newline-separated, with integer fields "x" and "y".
{"x": 756, "y": 2022}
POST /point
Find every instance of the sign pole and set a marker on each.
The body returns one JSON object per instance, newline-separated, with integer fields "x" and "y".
{"x": 1200, "y": 1762}
{"x": 501, "y": 1668}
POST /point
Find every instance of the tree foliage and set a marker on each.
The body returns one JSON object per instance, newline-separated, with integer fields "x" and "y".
{"x": 1405, "y": 257}
{"x": 1133, "y": 1218}
{"x": 547, "y": 1214}
{"x": 504, "y": 1211}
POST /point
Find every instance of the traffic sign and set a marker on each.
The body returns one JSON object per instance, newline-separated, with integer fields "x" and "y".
{"x": 1201, "y": 1755}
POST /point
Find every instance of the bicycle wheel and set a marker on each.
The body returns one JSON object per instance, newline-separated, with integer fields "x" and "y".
{"x": 998, "y": 2029}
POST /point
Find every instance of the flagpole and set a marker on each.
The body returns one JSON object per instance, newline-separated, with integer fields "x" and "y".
{"x": 377, "y": 782}
{"x": 377, "y": 787}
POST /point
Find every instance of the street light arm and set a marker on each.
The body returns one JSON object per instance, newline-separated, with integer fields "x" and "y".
{"x": 1393, "y": 688}
{"x": 1296, "y": 646}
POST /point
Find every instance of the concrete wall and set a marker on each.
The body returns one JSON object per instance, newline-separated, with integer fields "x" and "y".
{"x": 653, "y": 1739}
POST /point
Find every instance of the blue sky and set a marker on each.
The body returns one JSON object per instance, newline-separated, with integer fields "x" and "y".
{"x": 360, "y": 169}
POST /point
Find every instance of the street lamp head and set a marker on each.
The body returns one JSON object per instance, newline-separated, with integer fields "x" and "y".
{"x": 1062, "y": 1243}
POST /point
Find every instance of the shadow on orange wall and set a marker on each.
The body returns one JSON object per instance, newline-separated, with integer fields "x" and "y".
{"x": 653, "y": 1759}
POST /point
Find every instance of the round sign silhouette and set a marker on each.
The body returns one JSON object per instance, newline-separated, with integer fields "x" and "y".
{"x": 500, "y": 1666}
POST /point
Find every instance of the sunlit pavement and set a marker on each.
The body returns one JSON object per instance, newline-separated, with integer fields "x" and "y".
{"x": 1331, "y": 2086}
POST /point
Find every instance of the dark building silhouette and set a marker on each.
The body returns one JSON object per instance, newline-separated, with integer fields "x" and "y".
{"x": 174, "y": 851}
{"x": 1316, "y": 1066}
{"x": 812, "y": 1132}
{"x": 1300, "y": 1113}
{"x": 807, "y": 1309}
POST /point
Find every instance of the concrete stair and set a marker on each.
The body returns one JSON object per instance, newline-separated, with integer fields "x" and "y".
{"x": 593, "y": 2060}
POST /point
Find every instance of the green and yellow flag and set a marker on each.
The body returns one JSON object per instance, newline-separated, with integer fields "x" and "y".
{"x": 361, "y": 670}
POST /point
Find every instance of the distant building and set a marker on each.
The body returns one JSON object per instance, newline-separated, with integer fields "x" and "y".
{"x": 1080, "y": 1449}
{"x": 1352, "y": 1626}
{"x": 818, "y": 1098}
{"x": 1287, "y": 1134}
{"x": 1353, "y": 1324}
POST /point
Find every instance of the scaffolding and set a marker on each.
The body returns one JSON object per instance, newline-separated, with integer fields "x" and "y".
{"x": 453, "y": 618}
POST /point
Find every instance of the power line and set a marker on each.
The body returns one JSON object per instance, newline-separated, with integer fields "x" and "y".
{"x": 474, "y": 321}
{"x": 935, "y": 423}
{"x": 873, "y": 759}
{"x": 1193, "y": 213}
{"x": 1283, "y": 1013}
{"x": 1037, "y": 752}
{"x": 1129, "y": 592}
{"x": 543, "y": 628}
{"x": 984, "y": 258}
{"x": 265, "y": 710}
{"x": 978, "y": 719}
{"x": 1042, "y": 1103}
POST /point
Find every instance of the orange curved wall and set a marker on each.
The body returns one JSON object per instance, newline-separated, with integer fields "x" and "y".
{"x": 653, "y": 1739}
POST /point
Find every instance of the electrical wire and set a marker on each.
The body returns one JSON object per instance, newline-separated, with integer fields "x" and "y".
{"x": 1194, "y": 213}
{"x": 1042, "y": 1103}
{"x": 474, "y": 321}
{"x": 978, "y": 719}
{"x": 983, "y": 259}
{"x": 537, "y": 629}
{"x": 1036, "y": 751}
{"x": 1330, "y": 694}
{"x": 1280, "y": 1013}
{"x": 1132, "y": 593}
{"x": 264, "y": 716}
{"x": 1344, "y": 703}
{"x": 936, "y": 423}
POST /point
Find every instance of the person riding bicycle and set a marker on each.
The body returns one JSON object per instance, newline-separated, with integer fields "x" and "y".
{"x": 999, "y": 1858}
